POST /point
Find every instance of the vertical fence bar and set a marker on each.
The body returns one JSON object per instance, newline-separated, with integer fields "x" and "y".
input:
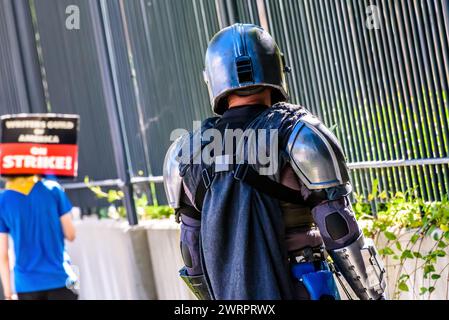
{"x": 29, "y": 56}
{"x": 114, "y": 106}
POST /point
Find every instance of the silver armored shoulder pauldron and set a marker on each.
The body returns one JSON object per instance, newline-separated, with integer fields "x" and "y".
{"x": 172, "y": 176}
{"x": 316, "y": 155}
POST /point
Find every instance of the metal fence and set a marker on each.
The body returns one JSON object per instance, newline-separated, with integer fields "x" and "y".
{"x": 20, "y": 81}
{"x": 376, "y": 72}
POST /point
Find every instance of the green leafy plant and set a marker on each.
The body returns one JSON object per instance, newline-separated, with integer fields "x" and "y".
{"x": 145, "y": 211}
{"x": 405, "y": 221}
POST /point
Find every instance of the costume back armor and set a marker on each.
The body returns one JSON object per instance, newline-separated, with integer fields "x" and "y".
{"x": 318, "y": 161}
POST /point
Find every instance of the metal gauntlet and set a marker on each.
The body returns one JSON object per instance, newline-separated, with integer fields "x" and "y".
{"x": 192, "y": 273}
{"x": 197, "y": 284}
{"x": 362, "y": 268}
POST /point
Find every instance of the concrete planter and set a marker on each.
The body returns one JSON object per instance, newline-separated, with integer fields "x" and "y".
{"x": 163, "y": 242}
{"x": 395, "y": 269}
{"x": 113, "y": 261}
{"x": 116, "y": 261}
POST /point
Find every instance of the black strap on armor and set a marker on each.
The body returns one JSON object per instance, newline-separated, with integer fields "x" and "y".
{"x": 245, "y": 173}
{"x": 207, "y": 176}
{"x": 187, "y": 210}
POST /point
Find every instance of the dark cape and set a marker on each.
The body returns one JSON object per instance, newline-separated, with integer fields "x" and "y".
{"x": 242, "y": 230}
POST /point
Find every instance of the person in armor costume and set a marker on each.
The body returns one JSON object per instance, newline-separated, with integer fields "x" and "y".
{"x": 252, "y": 233}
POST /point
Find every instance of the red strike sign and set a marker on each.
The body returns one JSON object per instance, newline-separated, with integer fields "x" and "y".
{"x": 46, "y": 159}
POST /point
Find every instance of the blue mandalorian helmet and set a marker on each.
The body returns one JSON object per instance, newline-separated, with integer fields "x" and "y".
{"x": 244, "y": 57}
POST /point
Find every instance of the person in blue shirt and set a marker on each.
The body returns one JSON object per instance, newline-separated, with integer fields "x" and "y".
{"x": 35, "y": 212}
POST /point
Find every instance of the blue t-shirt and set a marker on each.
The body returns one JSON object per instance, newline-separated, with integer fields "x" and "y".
{"x": 33, "y": 221}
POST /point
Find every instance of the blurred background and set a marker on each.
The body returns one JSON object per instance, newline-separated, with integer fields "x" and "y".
{"x": 375, "y": 71}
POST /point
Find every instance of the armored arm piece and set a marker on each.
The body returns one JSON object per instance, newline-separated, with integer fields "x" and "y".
{"x": 318, "y": 160}
{"x": 172, "y": 176}
{"x": 191, "y": 273}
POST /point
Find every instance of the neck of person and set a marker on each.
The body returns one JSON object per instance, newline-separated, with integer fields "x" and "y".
{"x": 263, "y": 98}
